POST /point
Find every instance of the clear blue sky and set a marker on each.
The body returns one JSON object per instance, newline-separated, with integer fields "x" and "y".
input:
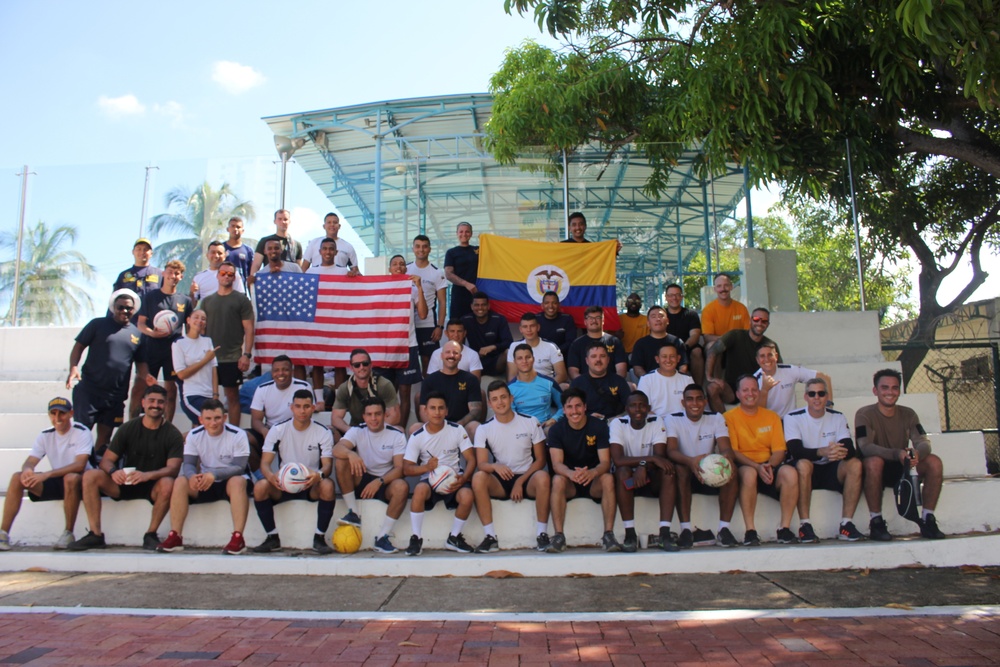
{"x": 96, "y": 91}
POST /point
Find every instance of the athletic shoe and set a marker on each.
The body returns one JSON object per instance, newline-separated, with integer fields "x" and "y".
{"x": 751, "y": 539}
{"x": 849, "y": 532}
{"x": 416, "y": 546}
{"x": 458, "y": 543}
{"x": 609, "y": 543}
{"x": 686, "y": 539}
{"x": 726, "y": 539}
{"x": 4, "y": 541}
{"x": 878, "y": 531}
{"x": 64, "y": 540}
{"x": 320, "y": 546}
{"x": 807, "y": 535}
{"x": 786, "y": 536}
{"x": 488, "y": 545}
{"x": 350, "y": 519}
{"x": 631, "y": 543}
{"x": 270, "y": 543}
{"x": 557, "y": 544}
{"x": 542, "y": 542}
{"x": 236, "y": 546}
{"x": 88, "y": 541}
{"x": 703, "y": 538}
{"x": 668, "y": 541}
{"x": 653, "y": 541}
{"x": 150, "y": 541}
{"x": 384, "y": 546}
{"x": 929, "y": 528}
{"x": 173, "y": 543}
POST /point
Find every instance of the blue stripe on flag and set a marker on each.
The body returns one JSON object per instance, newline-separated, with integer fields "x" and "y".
{"x": 579, "y": 295}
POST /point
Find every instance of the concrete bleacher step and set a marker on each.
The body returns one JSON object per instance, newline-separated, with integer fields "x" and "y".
{"x": 925, "y": 405}
{"x": 36, "y": 353}
{"x": 809, "y": 339}
{"x": 849, "y": 379}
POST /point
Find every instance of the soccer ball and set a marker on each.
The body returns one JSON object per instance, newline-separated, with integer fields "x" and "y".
{"x": 166, "y": 321}
{"x": 347, "y": 539}
{"x": 715, "y": 470}
{"x": 441, "y": 478}
{"x": 293, "y": 477}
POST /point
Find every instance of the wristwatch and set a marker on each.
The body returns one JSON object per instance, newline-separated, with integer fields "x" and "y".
{"x": 248, "y": 355}
{"x": 642, "y": 463}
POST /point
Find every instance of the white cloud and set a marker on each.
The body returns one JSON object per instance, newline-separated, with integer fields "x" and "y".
{"x": 234, "y": 77}
{"x": 172, "y": 110}
{"x": 120, "y": 107}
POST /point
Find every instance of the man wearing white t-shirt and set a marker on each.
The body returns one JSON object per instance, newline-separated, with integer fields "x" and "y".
{"x": 820, "y": 446}
{"x": 691, "y": 436}
{"x": 517, "y": 471}
{"x": 215, "y": 458}
{"x": 777, "y": 381}
{"x": 430, "y": 328}
{"x": 68, "y": 446}
{"x": 370, "y": 457}
{"x": 665, "y": 386}
{"x": 206, "y": 282}
{"x": 548, "y": 357}
{"x": 306, "y": 442}
{"x": 346, "y": 257}
{"x": 470, "y": 358}
{"x": 271, "y": 404}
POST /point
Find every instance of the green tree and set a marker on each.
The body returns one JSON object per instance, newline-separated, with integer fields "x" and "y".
{"x": 780, "y": 87}
{"x": 198, "y": 216}
{"x": 47, "y": 294}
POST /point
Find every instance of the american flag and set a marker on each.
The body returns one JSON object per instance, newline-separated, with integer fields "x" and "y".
{"x": 318, "y": 319}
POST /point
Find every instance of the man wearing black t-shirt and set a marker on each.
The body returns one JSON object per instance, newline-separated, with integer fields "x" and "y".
{"x": 605, "y": 391}
{"x": 488, "y": 334}
{"x": 686, "y": 325}
{"x": 237, "y": 252}
{"x": 579, "y": 449}
{"x": 576, "y": 360}
{"x": 291, "y": 250}
{"x": 554, "y": 325}
{"x": 733, "y": 355}
{"x": 647, "y": 348}
{"x": 460, "y": 388}
{"x": 461, "y": 267}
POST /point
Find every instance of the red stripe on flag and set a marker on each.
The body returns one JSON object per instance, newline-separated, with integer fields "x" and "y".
{"x": 513, "y": 311}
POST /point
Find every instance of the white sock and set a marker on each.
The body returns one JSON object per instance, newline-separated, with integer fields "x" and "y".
{"x": 350, "y": 501}
{"x": 685, "y": 525}
{"x": 628, "y": 524}
{"x": 664, "y": 524}
{"x": 456, "y": 526}
{"x": 926, "y": 513}
{"x": 387, "y": 524}
{"x": 490, "y": 530}
{"x": 844, "y": 520}
{"x": 541, "y": 527}
{"x": 874, "y": 515}
{"x": 804, "y": 522}
{"x": 417, "y": 523}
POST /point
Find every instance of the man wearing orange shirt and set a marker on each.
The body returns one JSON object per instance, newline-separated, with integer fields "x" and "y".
{"x": 725, "y": 313}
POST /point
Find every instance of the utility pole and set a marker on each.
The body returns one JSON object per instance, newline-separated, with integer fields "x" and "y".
{"x": 145, "y": 193}
{"x": 20, "y": 243}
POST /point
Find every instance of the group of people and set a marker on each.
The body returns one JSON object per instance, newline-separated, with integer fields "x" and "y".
{"x": 600, "y": 415}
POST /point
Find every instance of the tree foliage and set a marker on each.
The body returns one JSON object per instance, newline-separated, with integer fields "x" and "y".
{"x": 48, "y": 292}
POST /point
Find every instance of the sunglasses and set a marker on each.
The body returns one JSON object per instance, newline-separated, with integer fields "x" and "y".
{"x": 359, "y": 364}
{"x": 227, "y": 273}
{"x": 127, "y": 309}
{"x": 760, "y": 319}
{"x": 814, "y": 394}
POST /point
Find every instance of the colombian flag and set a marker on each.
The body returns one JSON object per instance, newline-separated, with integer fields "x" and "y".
{"x": 516, "y": 273}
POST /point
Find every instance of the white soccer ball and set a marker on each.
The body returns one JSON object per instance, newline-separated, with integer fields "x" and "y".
{"x": 715, "y": 469}
{"x": 166, "y": 321}
{"x": 441, "y": 478}
{"x": 293, "y": 477}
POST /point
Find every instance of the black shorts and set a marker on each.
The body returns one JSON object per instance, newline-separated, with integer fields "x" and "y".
{"x": 424, "y": 342}
{"x": 697, "y": 486}
{"x": 304, "y": 494}
{"x": 54, "y": 488}
{"x": 892, "y": 472}
{"x": 651, "y": 489}
{"x": 366, "y": 479}
{"x": 256, "y": 447}
{"x": 771, "y": 490}
{"x": 450, "y": 499}
{"x": 508, "y": 486}
{"x": 584, "y": 491}
{"x": 158, "y": 360}
{"x": 404, "y": 376}
{"x": 215, "y": 493}
{"x": 93, "y": 405}
{"x": 230, "y": 374}
{"x": 140, "y": 491}
{"x": 824, "y": 476}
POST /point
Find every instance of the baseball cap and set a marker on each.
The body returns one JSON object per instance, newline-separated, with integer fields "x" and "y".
{"x": 61, "y": 404}
{"x": 143, "y": 240}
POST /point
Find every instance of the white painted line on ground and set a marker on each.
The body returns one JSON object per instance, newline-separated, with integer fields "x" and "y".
{"x": 961, "y": 611}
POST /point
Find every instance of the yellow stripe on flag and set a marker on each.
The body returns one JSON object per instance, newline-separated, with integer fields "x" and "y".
{"x": 501, "y": 258}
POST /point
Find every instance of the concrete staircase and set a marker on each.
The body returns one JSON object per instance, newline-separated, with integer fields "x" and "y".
{"x": 33, "y": 366}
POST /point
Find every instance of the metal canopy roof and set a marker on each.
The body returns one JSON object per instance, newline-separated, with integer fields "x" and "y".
{"x": 421, "y": 163}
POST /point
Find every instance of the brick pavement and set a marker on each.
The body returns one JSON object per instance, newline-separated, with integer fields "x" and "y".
{"x": 38, "y": 639}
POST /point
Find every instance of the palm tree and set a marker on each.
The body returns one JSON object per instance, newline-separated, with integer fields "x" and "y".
{"x": 47, "y": 294}
{"x": 200, "y": 216}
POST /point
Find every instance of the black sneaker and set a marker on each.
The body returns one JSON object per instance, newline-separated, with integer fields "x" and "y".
{"x": 653, "y": 541}
{"x": 726, "y": 539}
{"x": 416, "y": 546}
{"x": 88, "y": 541}
{"x": 488, "y": 545}
{"x": 703, "y": 538}
{"x": 878, "y": 531}
{"x": 786, "y": 536}
{"x": 751, "y": 539}
{"x": 542, "y": 542}
{"x": 849, "y": 532}
{"x": 686, "y": 539}
{"x": 668, "y": 541}
{"x": 458, "y": 543}
{"x": 557, "y": 544}
{"x": 807, "y": 535}
{"x": 609, "y": 543}
{"x": 320, "y": 546}
{"x": 270, "y": 543}
{"x": 929, "y": 528}
{"x": 631, "y": 543}
{"x": 350, "y": 519}
{"x": 150, "y": 541}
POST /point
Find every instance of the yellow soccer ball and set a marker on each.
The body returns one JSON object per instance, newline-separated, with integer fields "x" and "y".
{"x": 347, "y": 539}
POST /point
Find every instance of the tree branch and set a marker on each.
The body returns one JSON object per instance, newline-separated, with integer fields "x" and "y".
{"x": 983, "y": 154}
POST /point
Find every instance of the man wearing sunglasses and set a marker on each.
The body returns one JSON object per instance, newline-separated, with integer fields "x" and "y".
{"x": 777, "y": 381}
{"x": 820, "y": 447}
{"x": 113, "y": 341}
{"x": 352, "y": 396}
{"x": 734, "y": 355}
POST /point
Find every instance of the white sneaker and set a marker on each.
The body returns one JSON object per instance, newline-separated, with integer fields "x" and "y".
{"x": 64, "y": 540}
{"x": 4, "y": 541}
